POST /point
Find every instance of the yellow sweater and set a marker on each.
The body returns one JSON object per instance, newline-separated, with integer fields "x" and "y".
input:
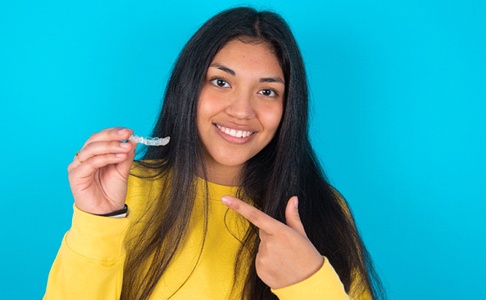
{"x": 89, "y": 264}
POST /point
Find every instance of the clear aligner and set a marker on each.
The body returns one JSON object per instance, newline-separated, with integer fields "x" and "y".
{"x": 149, "y": 141}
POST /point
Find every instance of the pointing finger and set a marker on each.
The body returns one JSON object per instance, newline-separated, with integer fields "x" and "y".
{"x": 258, "y": 218}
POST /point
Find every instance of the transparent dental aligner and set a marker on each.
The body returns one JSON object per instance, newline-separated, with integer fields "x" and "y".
{"x": 149, "y": 141}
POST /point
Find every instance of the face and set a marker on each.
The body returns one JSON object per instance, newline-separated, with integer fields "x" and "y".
{"x": 239, "y": 108}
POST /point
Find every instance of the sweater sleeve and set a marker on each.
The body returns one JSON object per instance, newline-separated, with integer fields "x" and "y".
{"x": 89, "y": 264}
{"x": 324, "y": 284}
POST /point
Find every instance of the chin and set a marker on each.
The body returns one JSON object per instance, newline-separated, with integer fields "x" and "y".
{"x": 229, "y": 162}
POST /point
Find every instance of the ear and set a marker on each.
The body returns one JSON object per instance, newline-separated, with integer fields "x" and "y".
{"x": 292, "y": 216}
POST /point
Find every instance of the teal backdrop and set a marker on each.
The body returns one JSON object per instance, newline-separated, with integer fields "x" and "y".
{"x": 398, "y": 119}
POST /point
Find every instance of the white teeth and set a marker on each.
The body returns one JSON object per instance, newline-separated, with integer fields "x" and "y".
{"x": 235, "y": 133}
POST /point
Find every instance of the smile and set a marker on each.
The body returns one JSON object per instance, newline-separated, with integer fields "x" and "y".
{"x": 235, "y": 133}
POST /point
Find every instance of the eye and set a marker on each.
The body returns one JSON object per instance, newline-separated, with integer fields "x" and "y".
{"x": 220, "y": 83}
{"x": 268, "y": 93}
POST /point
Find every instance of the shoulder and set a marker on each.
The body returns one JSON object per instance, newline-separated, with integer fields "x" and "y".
{"x": 145, "y": 184}
{"x": 342, "y": 203}
{"x": 339, "y": 197}
{"x": 148, "y": 168}
{"x": 143, "y": 175}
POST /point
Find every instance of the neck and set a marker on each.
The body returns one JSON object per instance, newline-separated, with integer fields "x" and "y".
{"x": 223, "y": 175}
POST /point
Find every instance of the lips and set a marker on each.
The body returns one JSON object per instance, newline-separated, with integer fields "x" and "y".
{"x": 234, "y": 132}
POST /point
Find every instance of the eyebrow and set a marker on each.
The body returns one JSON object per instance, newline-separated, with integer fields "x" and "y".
{"x": 223, "y": 68}
{"x": 275, "y": 79}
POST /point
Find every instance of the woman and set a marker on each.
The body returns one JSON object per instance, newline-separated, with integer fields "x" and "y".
{"x": 235, "y": 207}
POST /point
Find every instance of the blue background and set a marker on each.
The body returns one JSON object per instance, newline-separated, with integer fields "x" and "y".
{"x": 398, "y": 90}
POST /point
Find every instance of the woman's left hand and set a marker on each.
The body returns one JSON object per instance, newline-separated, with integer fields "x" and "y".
{"x": 285, "y": 256}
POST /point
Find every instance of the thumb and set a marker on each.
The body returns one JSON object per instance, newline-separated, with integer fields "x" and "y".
{"x": 292, "y": 216}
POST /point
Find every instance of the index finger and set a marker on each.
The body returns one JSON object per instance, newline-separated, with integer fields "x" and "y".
{"x": 110, "y": 134}
{"x": 258, "y": 218}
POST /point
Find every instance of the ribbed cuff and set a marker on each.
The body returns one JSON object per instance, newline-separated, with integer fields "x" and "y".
{"x": 95, "y": 237}
{"x": 324, "y": 284}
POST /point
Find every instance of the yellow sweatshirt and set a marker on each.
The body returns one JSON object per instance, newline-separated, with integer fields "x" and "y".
{"x": 89, "y": 264}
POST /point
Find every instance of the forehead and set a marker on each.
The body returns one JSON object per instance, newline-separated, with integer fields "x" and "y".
{"x": 249, "y": 54}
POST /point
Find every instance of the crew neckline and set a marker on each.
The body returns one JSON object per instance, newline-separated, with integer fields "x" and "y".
{"x": 216, "y": 191}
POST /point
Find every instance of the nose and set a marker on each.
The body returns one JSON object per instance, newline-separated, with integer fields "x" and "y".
{"x": 241, "y": 106}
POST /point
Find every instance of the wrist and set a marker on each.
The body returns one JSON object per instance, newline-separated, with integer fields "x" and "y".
{"x": 121, "y": 213}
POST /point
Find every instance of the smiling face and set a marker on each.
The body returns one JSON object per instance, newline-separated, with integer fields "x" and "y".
{"x": 239, "y": 108}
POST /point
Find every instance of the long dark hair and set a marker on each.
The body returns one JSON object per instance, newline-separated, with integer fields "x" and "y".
{"x": 286, "y": 167}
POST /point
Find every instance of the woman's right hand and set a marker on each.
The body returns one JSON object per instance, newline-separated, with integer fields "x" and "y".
{"x": 98, "y": 175}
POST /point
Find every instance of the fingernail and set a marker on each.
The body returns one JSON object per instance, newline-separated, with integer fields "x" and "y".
{"x": 125, "y": 145}
{"x": 121, "y": 130}
{"x": 225, "y": 200}
{"x": 296, "y": 202}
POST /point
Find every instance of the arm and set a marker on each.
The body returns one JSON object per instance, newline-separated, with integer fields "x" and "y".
{"x": 324, "y": 284}
{"x": 89, "y": 264}
{"x": 286, "y": 260}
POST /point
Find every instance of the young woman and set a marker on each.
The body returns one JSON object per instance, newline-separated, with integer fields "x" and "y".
{"x": 235, "y": 206}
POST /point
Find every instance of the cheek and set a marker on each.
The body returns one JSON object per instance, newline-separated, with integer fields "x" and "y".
{"x": 204, "y": 106}
{"x": 272, "y": 117}
{"x": 207, "y": 105}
